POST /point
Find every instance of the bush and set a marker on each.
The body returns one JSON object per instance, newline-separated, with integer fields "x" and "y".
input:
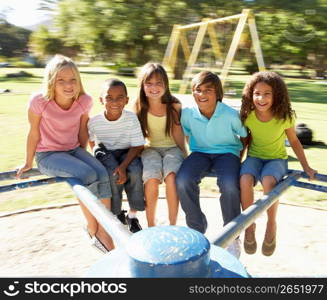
{"x": 123, "y": 68}
{"x": 22, "y": 64}
{"x": 19, "y": 74}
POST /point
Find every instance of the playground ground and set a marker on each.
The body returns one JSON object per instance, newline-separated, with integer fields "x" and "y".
{"x": 52, "y": 243}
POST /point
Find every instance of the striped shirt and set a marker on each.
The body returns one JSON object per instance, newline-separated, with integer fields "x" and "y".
{"x": 120, "y": 134}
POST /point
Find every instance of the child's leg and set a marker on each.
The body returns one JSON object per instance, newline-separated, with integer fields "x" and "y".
{"x": 101, "y": 233}
{"x": 64, "y": 164}
{"x": 100, "y": 187}
{"x": 250, "y": 173}
{"x": 151, "y": 192}
{"x": 92, "y": 223}
{"x": 172, "y": 199}
{"x": 134, "y": 186}
{"x": 268, "y": 183}
{"x": 94, "y": 228}
{"x": 247, "y": 197}
{"x": 272, "y": 172}
{"x": 110, "y": 162}
{"x": 152, "y": 176}
{"x": 172, "y": 160}
{"x": 135, "y": 193}
{"x": 188, "y": 178}
{"x": 227, "y": 168}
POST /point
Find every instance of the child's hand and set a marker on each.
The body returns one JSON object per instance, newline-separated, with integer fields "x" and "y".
{"x": 22, "y": 169}
{"x": 121, "y": 172}
{"x": 310, "y": 172}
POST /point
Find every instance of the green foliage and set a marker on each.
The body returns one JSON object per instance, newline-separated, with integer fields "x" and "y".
{"x": 44, "y": 43}
{"x": 123, "y": 68}
{"x": 13, "y": 39}
{"x": 290, "y": 32}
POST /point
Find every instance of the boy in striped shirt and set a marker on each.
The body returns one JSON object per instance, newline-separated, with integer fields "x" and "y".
{"x": 117, "y": 139}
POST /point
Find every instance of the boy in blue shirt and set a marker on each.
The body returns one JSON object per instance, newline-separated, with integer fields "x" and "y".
{"x": 213, "y": 130}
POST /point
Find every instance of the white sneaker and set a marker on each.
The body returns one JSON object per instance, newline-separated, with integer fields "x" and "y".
{"x": 235, "y": 248}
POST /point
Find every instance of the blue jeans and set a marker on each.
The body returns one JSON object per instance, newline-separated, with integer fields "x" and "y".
{"x": 196, "y": 166}
{"x": 134, "y": 184}
{"x": 76, "y": 163}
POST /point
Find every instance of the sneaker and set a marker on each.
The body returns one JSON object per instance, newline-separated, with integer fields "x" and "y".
{"x": 122, "y": 218}
{"x": 235, "y": 248}
{"x": 133, "y": 224}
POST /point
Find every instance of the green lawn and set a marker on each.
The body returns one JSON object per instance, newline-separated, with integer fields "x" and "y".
{"x": 308, "y": 97}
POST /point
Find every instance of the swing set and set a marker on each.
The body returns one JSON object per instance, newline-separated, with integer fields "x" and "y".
{"x": 179, "y": 36}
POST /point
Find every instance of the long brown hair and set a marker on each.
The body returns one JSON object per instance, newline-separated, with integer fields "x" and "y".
{"x": 142, "y": 104}
{"x": 281, "y": 106}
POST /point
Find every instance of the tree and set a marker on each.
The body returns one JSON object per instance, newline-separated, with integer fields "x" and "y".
{"x": 137, "y": 30}
{"x": 13, "y": 39}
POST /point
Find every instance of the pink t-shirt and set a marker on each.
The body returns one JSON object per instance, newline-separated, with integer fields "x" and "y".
{"x": 59, "y": 128}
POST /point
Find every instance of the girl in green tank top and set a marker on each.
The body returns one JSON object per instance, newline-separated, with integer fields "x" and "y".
{"x": 266, "y": 113}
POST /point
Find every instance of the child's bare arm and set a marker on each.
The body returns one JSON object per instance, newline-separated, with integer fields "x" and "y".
{"x": 246, "y": 144}
{"x": 91, "y": 145}
{"x": 299, "y": 152}
{"x": 179, "y": 138}
{"x": 177, "y": 132}
{"x": 31, "y": 143}
{"x": 83, "y": 135}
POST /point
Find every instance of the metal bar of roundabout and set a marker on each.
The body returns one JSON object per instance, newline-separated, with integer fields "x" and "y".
{"x": 167, "y": 251}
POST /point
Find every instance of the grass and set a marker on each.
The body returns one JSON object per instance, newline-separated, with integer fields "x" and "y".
{"x": 308, "y": 99}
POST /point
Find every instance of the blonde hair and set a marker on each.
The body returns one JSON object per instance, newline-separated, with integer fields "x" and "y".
{"x": 55, "y": 65}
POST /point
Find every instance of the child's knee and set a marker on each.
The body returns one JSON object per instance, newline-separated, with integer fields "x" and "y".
{"x": 183, "y": 180}
{"x": 268, "y": 182}
{"x": 246, "y": 180}
{"x": 88, "y": 176}
{"x": 170, "y": 178}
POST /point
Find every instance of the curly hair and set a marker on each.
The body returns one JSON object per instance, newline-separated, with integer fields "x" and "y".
{"x": 281, "y": 106}
{"x": 142, "y": 105}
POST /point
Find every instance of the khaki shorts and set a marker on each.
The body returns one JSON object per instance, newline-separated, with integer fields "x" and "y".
{"x": 160, "y": 162}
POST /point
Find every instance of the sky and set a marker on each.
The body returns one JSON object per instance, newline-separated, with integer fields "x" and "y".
{"x": 23, "y": 13}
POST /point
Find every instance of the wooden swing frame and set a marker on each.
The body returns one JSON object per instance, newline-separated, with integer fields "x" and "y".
{"x": 178, "y": 35}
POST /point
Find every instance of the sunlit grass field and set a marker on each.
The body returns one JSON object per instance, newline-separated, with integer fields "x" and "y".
{"x": 308, "y": 99}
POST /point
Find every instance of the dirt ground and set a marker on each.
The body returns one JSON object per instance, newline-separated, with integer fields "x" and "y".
{"x": 52, "y": 243}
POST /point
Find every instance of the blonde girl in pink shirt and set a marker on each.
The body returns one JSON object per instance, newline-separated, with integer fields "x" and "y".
{"x": 58, "y": 137}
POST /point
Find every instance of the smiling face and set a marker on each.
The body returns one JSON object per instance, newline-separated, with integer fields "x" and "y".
{"x": 114, "y": 99}
{"x": 66, "y": 85}
{"x": 262, "y": 97}
{"x": 206, "y": 98}
{"x": 154, "y": 87}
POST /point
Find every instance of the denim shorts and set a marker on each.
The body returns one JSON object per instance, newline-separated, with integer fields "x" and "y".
{"x": 158, "y": 162}
{"x": 260, "y": 168}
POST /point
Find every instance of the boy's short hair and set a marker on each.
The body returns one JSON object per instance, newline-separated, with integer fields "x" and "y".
{"x": 205, "y": 77}
{"x": 109, "y": 83}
